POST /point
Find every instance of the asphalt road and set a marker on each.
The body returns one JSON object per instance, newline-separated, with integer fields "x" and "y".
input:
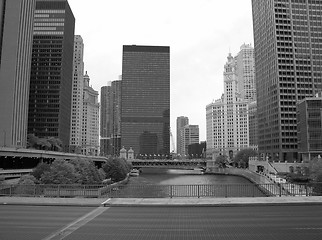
{"x": 251, "y": 222}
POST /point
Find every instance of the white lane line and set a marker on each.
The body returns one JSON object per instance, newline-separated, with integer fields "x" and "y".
{"x": 60, "y": 234}
{"x": 105, "y": 202}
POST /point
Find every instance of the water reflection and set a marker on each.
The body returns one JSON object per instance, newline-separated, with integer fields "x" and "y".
{"x": 183, "y": 177}
{"x": 186, "y": 183}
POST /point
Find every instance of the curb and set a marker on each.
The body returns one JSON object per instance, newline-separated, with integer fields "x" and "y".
{"x": 52, "y": 204}
{"x": 213, "y": 205}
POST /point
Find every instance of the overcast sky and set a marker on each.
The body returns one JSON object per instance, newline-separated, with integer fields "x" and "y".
{"x": 200, "y": 34}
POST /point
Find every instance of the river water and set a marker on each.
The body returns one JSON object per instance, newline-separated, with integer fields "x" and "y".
{"x": 185, "y": 183}
{"x": 183, "y": 177}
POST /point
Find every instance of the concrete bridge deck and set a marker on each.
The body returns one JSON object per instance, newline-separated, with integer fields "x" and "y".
{"x": 180, "y": 164}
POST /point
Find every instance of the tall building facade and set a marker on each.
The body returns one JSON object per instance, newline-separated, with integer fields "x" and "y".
{"x": 115, "y": 116}
{"x": 181, "y": 122}
{"x": 51, "y": 80}
{"x": 16, "y": 29}
{"x": 105, "y": 141}
{"x": 309, "y": 128}
{"x": 145, "y": 114}
{"x": 189, "y": 135}
{"x": 77, "y": 97}
{"x": 110, "y": 123}
{"x": 227, "y": 120}
{"x": 288, "y": 52}
{"x": 245, "y": 70}
{"x": 90, "y": 124}
{"x": 253, "y": 125}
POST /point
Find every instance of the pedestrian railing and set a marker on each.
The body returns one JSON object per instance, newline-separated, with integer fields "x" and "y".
{"x": 162, "y": 191}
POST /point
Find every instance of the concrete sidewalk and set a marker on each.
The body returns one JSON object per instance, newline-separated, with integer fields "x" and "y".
{"x": 131, "y": 202}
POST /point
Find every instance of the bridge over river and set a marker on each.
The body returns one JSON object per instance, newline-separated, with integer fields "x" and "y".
{"x": 170, "y": 164}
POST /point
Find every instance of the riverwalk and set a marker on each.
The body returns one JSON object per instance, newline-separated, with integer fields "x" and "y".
{"x": 137, "y": 202}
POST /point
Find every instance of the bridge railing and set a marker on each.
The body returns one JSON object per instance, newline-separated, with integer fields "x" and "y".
{"x": 162, "y": 191}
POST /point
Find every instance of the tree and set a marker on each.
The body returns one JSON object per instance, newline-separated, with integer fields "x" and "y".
{"x": 116, "y": 169}
{"x": 242, "y": 157}
{"x": 221, "y": 161}
{"x": 55, "y": 144}
{"x": 32, "y": 141}
{"x": 38, "y": 171}
{"x": 315, "y": 169}
{"x": 50, "y": 143}
{"x": 61, "y": 172}
{"x": 102, "y": 174}
{"x": 86, "y": 171}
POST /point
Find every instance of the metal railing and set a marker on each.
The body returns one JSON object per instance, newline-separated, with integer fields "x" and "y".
{"x": 162, "y": 191}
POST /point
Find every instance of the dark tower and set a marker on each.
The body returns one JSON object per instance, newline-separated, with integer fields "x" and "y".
{"x": 145, "y": 100}
{"x": 52, "y": 70}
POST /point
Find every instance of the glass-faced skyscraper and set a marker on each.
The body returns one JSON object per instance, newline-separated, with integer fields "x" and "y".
{"x": 16, "y": 24}
{"x": 145, "y": 100}
{"x": 288, "y": 58}
{"x": 51, "y": 78}
{"x": 110, "y": 115}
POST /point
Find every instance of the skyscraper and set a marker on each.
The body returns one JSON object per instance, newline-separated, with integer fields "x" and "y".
{"x": 16, "y": 26}
{"x": 288, "y": 53}
{"x": 189, "y": 134}
{"x": 245, "y": 70}
{"x": 110, "y": 123}
{"x": 51, "y": 78}
{"x": 77, "y": 98}
{"x": 90, "y": 124}
{"x": 227, "y": 118}
{"x": 115, "y": 116}
{"x": 145, "y": 114}
{"x": 181, "y": 122}
{"x": 105, "y": 141}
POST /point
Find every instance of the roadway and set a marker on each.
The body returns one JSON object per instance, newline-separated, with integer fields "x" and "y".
{"x": 161, "y": 222}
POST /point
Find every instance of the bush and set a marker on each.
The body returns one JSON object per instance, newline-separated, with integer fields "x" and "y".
{"x": 86, "y": 171}
{"x": 61, "y": 172}
{"x": 26, "y": 185}
{"x": 38, "y": 171}
{"x": 116, "y": 169}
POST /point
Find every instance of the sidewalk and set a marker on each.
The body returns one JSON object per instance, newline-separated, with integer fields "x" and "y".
{"x": 140, "y": 202}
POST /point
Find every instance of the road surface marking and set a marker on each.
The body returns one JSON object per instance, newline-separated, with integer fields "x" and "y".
{"x": 62, "y": 233}
{"x": 105, "y": 202}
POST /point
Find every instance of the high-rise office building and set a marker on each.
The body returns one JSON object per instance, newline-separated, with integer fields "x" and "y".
{"x": 189, "y": 135}
{"x": 181, "y": 122}
{"x": 115, "y": 119}
{"x": 105, "y": 141}
{"x": 51, "y": 78}
{"x": 288, "y": 53}
{"x": 16, "y": 28}
{"x": 77, "y": 97}
{"x": 245, "y": 70}
{"x": 309, "y": 128}
{"x": 227, "y": 118}
{"x": 90, "y": 124}
{"x": 253, "y": 123}
{"x": 110, "y": 123}
{"x": 145, "y": 114}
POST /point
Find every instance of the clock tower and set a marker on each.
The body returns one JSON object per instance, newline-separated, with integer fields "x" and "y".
{"x": 230, "y": 80}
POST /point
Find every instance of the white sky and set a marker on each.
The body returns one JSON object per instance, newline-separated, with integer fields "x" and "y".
{"x": 200, "y": 34}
